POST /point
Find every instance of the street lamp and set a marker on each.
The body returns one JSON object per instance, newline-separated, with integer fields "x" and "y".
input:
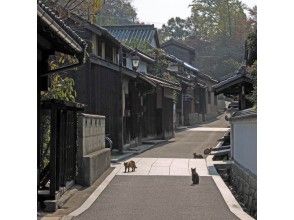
{"x": 135, "y": 62}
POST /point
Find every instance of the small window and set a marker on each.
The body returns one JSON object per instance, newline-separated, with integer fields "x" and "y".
{"x": 215, "y": 100}
{"x": 114, "y": 55}
{"x": 108, "y": 53}
{"x": 124, "y": 59}
{"x": 99, "y": 48}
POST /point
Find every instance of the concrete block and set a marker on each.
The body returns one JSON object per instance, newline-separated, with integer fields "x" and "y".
{"x": 93, "y": 166}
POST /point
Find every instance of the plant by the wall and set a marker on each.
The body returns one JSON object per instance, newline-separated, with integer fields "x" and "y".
{"x": 253, "y": 96}
{"x": 60, "y": 88}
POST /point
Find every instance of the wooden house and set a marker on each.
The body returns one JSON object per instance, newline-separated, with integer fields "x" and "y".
{"x": 109, "y": 86}
{"x": 57, "y": 128}
{"x": 198, "y": 98}
{"x": 158, "y": 101}
{"x": 238, "y": 85}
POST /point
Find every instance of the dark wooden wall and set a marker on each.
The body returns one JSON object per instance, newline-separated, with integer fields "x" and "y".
{"x": 167, "y": 117}
{"x": 150, "y": 116}
{"x": 100, "y": 89}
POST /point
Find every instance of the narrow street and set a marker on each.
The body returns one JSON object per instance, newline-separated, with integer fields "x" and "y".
{"x": 161, "y": 186}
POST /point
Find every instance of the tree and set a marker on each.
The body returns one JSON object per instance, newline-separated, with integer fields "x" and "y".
{"x": 217, "y": 29}
{"x": 176, "y": 28}
{"x": 117, "y": 12}
{"x": 84, "y": 8}
{"x": 60, "y": 88}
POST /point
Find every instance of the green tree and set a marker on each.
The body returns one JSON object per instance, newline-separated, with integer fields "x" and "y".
{"x": 217, "y": 29}
{"x": 176, "y": 28}
{"x": 87, "y": 9}
{"x": 117, "y": 12}
{"x": 61, "y": 88}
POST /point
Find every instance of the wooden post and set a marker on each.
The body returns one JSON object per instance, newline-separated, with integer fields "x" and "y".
{"x": 182, "y": 109}
{"x": 53, "y": 153}
{"x": 120, "y": 118}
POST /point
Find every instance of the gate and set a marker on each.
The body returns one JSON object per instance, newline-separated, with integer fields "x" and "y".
{"x": 57, "y": 145}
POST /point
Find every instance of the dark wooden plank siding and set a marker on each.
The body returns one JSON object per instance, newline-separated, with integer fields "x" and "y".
{"x": 150, "y": 116}
{"x": 167, "y": 117}
{"x": 100, "y": 89}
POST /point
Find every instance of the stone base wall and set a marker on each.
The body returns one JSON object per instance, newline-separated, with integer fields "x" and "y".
{"x": 92, "y": 156}
{"x": 245, "y": 185}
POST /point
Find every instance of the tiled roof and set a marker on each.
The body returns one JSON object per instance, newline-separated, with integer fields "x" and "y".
{"x": 57, "y": 26}
{"x": 178, "y": 43}
{"x": 240, "y": 75}
{"x": 246, "y": 113}
{"x": 159, "y": 81}
{"x": 190, "y": 67}
{"x": 94, "y": 28}
{"x": 129, "y": 33}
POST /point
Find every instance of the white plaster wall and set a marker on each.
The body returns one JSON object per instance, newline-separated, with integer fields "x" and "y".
{"x": 142, "y": 67}
{"x": 129, "y": 63}
{"x": 244, "y": 143}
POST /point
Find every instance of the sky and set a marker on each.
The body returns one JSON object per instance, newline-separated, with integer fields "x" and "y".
{"x": 158, "y": 12}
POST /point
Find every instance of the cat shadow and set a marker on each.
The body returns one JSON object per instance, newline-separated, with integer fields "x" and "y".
{"x": 194, "y": 184}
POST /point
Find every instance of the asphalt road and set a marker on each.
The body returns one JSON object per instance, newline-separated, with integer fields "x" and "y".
{"x": 159, "y": 197}
{"x": 165, "y": 197}
{"x": 188, "y": 142}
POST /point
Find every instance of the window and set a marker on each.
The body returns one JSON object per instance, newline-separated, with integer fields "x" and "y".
{"x": 99, "y": 48}
{"x": 124, "y": 59}
{"x": 114, "y": 55}
{"x": 209, "y": 97}
{"x": 108, "y": 53}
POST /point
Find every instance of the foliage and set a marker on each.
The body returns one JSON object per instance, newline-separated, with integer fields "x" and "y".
{"x": 60, "y": 88}
{"x": 59, "y": 60}
{"x": 251, "y": 48}
{"x": 117, "y": 12}
{"x": 85, "y": 8}
{"x": 253, "y": 71}
{"x": 217, "y": 29}
{"x": 176, "y": 28}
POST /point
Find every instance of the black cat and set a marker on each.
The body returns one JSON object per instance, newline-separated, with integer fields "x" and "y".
{"x": 195, "y": 176}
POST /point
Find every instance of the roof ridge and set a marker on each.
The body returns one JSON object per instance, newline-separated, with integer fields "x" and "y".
{"x": 164, "y": 80}
{"x": 59, "y": 21}
{"x": 129, "y": 26}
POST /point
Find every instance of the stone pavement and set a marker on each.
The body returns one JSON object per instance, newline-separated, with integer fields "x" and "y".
{"x": 166, "y": 167}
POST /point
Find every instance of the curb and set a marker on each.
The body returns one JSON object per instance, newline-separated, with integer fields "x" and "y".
{"x": 92, "y": 198}
{"x": 224, "y": 190}
{"x": 133, "y": 152}
{"x": 122, "y": 157}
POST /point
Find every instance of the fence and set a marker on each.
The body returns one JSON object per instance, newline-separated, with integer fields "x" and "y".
{"x": 57, "y": 145}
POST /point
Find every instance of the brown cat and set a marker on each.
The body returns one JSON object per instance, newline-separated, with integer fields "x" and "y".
{"x": 197, "y": 156}
{"x": 195, "y": 176}
{"x": 130, "y": 164}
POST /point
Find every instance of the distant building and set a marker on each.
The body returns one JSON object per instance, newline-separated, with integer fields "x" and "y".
{"x": 203, "y": 103}
{"x": 180, "y": 50}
